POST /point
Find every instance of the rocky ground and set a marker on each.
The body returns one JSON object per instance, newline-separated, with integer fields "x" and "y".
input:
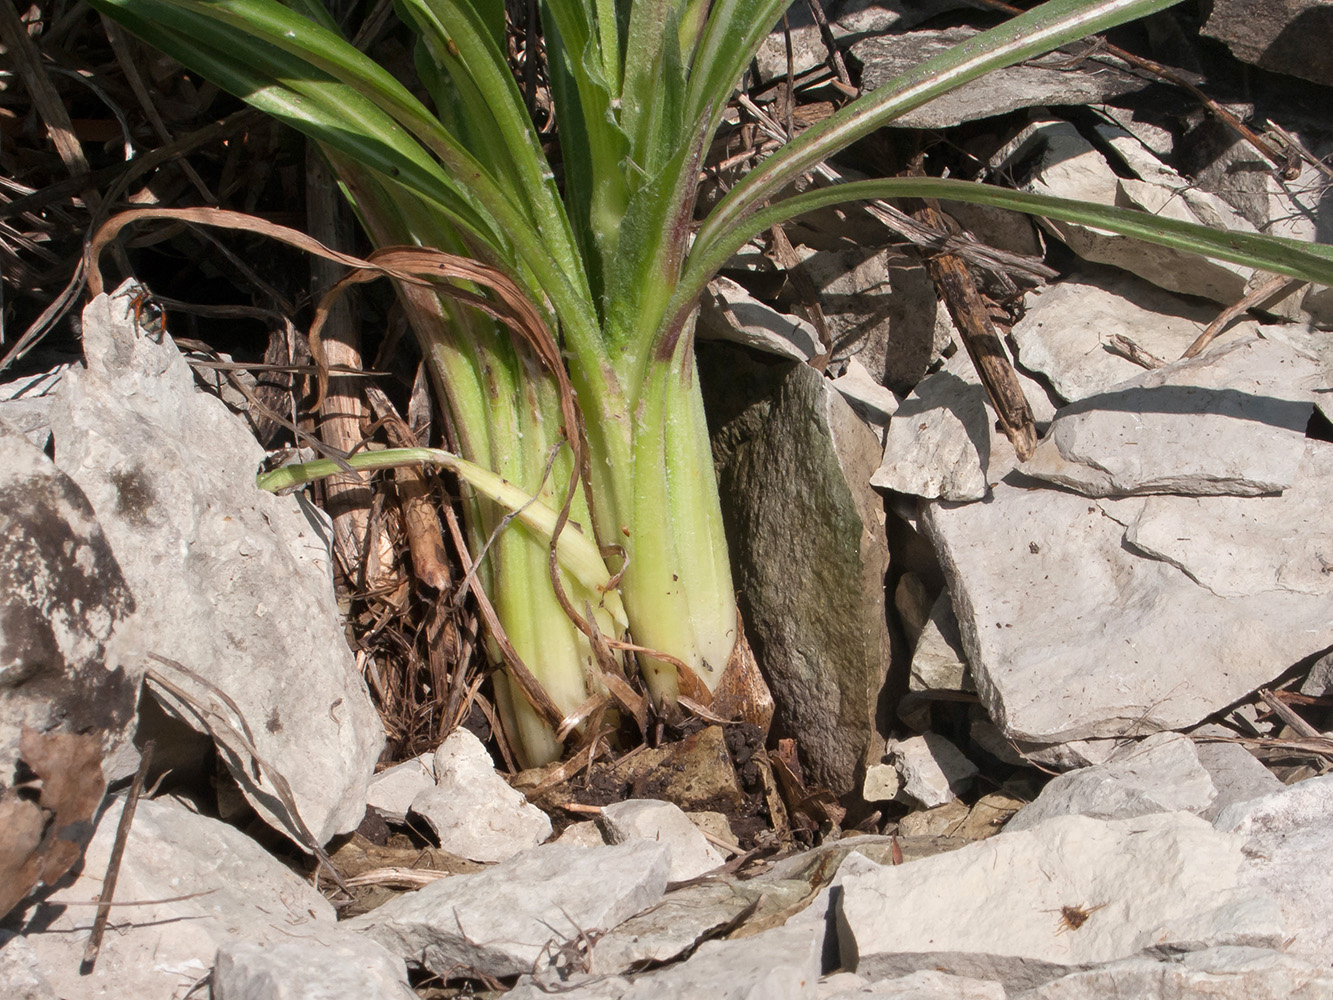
{"x": 1051, "y": 722}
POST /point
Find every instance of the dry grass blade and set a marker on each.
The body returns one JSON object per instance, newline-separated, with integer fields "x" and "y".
{"x": 28, "y": 62}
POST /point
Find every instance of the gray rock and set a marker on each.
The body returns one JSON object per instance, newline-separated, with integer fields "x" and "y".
{"x": 513, "y": 918}
{"x": 938, "y": 661}
{"x": 924, "y": 985}
{"x": 1067, "y": 325}
{"x": 794, "y": 463}
{"x": 21, "y": 975}
{"x": 869, "y": 398}
{"x": 932, "y": 770}
{"x": 729, "y": 312}
{"x": 472, "y": 810}
{"x": 1288, "y": 839}
{"x": 1240, "y": 547}
{"x": 780, "y": 964}
{"x": 666, "y": 824}
{"x": 885, "y": 315}
{"x": 198, "y": 885}
{"x": 1159, "y": 774}
{"x": 1049, "y": 80}
{"x": 1319, "y": 682}
{"x": 67, "y": 694}
{"x": 1231, "y": 421}
{"x": 232, "y": 582}
{"x": 392, "y": 790}
{"x": 1236, "y": 773}
{"x": 1210, "y": 974}
{"x": 942, "y": 443}
{"x": 1155, "y": 884}
{"x": 1062, "y": 163}
{"x": 1286, "y": 36}
{"x": 1064, "y": 624}
{"x": 346, "y": 968}
{"x": 849, "y": 21}
{"x": 584, "y": 834}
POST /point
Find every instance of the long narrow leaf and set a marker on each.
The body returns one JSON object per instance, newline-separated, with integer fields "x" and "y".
{"x": 1039, "y": 30}
{"x": 1308, "y": 261}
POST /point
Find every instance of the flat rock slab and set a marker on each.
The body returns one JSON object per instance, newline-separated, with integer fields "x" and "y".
{"x": 233, "y": 583}
{"x": 220, "y": 887}
{"x": 1155, "y": 884}
{"x": 1002, "y": 91}
{"x": 347, "y": 967}
{"x": 513, "y": 918}
{"x": 1288, "y": 841}
{"x": 1231, "y": 421}
{"x": 1071, "y": 634}
{"x": 794, "y": 463}
{"x": 392, "y": 790}
{"x": 472, "y": 809}
{"x": 1159, "y": 774}
{"x": 1287, "y": 36}
{"x": 666, "y": 824}
{"x": 1211, "y": 974}
{"x": 1067, "y": 326}
{"x": 780, "y": 964}
{"x": 924, "y": 985}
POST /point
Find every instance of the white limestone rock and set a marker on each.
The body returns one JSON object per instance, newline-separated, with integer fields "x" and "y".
{"x": 1224, "y": 973}
{"x": 21, "y": 975}
{"x": 926, "y": 984}
{"x": 1161, "y": 773}
{"x": 220, "y": 886}
{"x": 232, "y": 582}
{"x": 1231, "y": 421}
{"x": 392, "y": 790}
{"x": 1236, "y": 773}
{"x": 348, "y": 967}
{"x": 472, "y": 810}
{"x": 932, "y": 770}
{"x": 729, "y": 312}
{"x": 1288, "y": 840}
{"x": 664, "y": 823}
{"x": 1073, "y": 635}
{"x": 996, "y": 909}
{"x": 513, "y": 918}
{"x": 938, "y": 661}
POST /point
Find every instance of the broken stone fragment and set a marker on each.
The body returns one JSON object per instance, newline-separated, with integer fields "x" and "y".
{"x": 516, "y": 916}
{"x": 472, "y": 810}
{"x": 663, "y": 823}
{"x": 1286, "y": 36}
{"x": 1074, "y": 634}
{"x": 348, "y": 965}
{"x": 232, "y": 582}
{"x": 392, "y": 790}
{"x": 932, "y": 771}
{"x": 1069, "y": 893}
{"x": 1052, "y": 79}
{"x": 1230, "y": 421}
{"x": 809, "y": 552}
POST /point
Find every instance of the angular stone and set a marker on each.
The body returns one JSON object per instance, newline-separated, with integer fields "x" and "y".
{"x": 924, "y": 985}
{"x": 1288, "y": 839}
{"x": 942, "y": 443}
{"x": 67, "y": 693}
{"x": 1045, "y": 81}
{"x": 731, "y": 313}
{"x": 347, "y": 967}
{"x": 887, "y": 316}
{"x": 1319, "y": 682}
{"x": 1064, "y": 625}
{"x": 1158, "y": 884}
{"x": 869, "y": 398}
{"x": 1243, "y": 546}
{"x": 1062, "y": 163}
{"x": 513, "y": 918}
{"x": 472, "y": 810}
{"x": 809, "y": 553}
{"x": 392, "y": 790}
{"x": 231, "y": 582}
{"x": 1286, "y": 36}
{"x": 666, "y": 824}
{"x": 1161, "y": 773}
{"x": 1236, "y": 773}
{"x": 933, "y": 771}
{"x": 1231, "y": 421}
{"x": 199, "y": 885}
{"x": 1210, "y": 974}
{"x": 938, "y": 661}
{"x": 1067, "y": 326}
{"x": 939, "y": 821}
